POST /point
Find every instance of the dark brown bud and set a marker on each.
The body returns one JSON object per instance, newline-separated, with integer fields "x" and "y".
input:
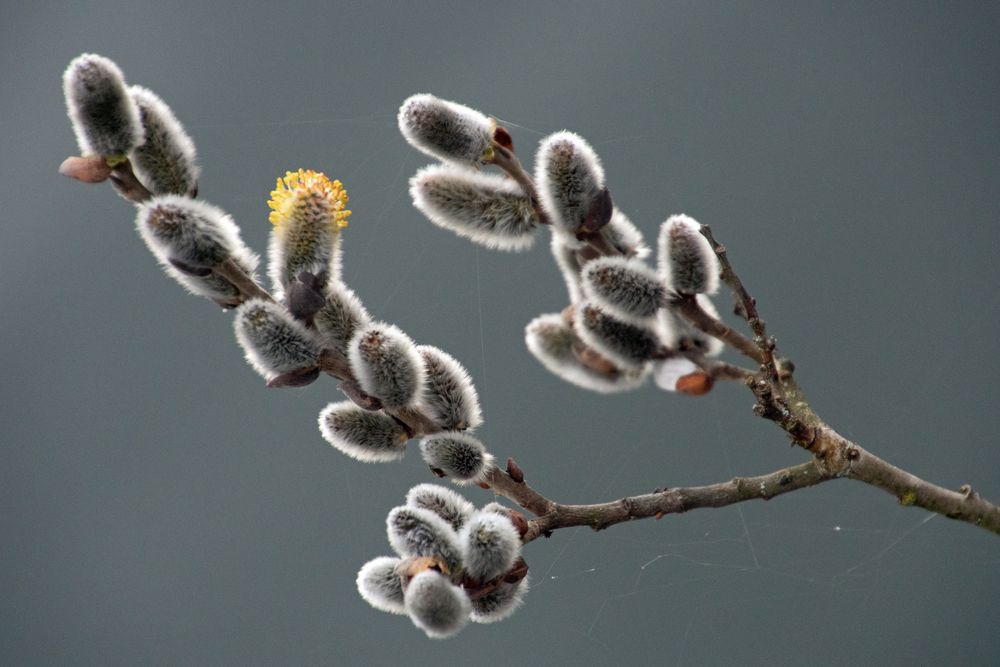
{"x": 360, "y": 398}
{"x": 502, "y": 137}
{"x": 297, "y": 378}
{"x": 518, "y": 572}
{"x": 305, "y": 296}
{"x": 518, "y": 520}
{"x": 515, "y": 471}
{"x": 599, "y": 213}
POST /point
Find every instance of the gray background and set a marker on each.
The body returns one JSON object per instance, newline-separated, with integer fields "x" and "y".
{"x": 161, "y": 506}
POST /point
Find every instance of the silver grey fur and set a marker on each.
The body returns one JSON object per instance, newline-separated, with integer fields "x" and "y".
{"x": 105, "y": 118}
{"x": 441, "y": 500}
{"x": 569, "y": 266}
{"x": 627, "y": 345}
{"x": 569, "y": 177}
{"x": 491, "y": 544}
{"x": 186, "y": 230}
{"x": 446, "y": 130}
{"x": 551, "y": 342}
{"x": 449, "y": 394}
{"x": 485, "y": 208}
{"x": 199, "y": 235}
{"x": 165, "y": 161}
{"x": 499, "y": 603}
{"x": 414, "y": 531}
{"x": 386, "y": 364}
{"x": 625, "y": 236}
{"x": 340, "y": 316}
{"x": 686, "y": 260}
{"x": 462, "y": 457}
{"x": 624, "y": 287}
{"x": 380, "y": 585}
{"x": 365, "y": 435}
{"x": 274, "y": 342}
{"x": 436, "y": 606}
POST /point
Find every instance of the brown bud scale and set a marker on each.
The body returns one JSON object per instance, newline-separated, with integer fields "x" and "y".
{"x": 698, "y": 383}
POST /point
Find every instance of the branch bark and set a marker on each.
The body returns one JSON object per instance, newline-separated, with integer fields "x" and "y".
{"x": 851, "y": 462}
{"x": 688, "y": 307}
{"x": 127, "y": 184}
{"x": 963, "y": 505}
{"x": 748, "y": 304}
{"x": 599, "y": 516}
{"x": 678, "y": 500}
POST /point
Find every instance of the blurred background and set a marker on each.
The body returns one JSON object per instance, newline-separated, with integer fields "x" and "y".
{"x": 161, "y": 506}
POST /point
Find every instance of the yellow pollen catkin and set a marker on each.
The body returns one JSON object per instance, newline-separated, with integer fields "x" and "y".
{"x": 306, "y": 183}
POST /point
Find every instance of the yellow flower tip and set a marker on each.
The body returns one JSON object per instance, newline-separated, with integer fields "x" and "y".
{"x": 115, "y": 160}
{"x": 306, "y": 183}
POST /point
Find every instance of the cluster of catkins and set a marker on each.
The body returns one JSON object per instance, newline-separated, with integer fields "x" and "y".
{"x": 117, "y": 122}
{"x": 620, "y": 324}
{"x": 311, "y": 321}
{"x": 454, "y": 563}
{"x": 121, "y": 122}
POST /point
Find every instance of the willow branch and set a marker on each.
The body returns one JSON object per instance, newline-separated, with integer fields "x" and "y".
{"x": 660, "y": 503}
{"x": 963, "y": 505}
{"x": 781, "y": 400}
{"x": 748, "y": 304}
{"x": 852, "y": 462}
{"x": 719, "y": 370}
{"x": 688, "y": 307}
{"x": 844, "y": 458}
{"x": 504, "y": 158}
{"x": 501, "y": 483}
